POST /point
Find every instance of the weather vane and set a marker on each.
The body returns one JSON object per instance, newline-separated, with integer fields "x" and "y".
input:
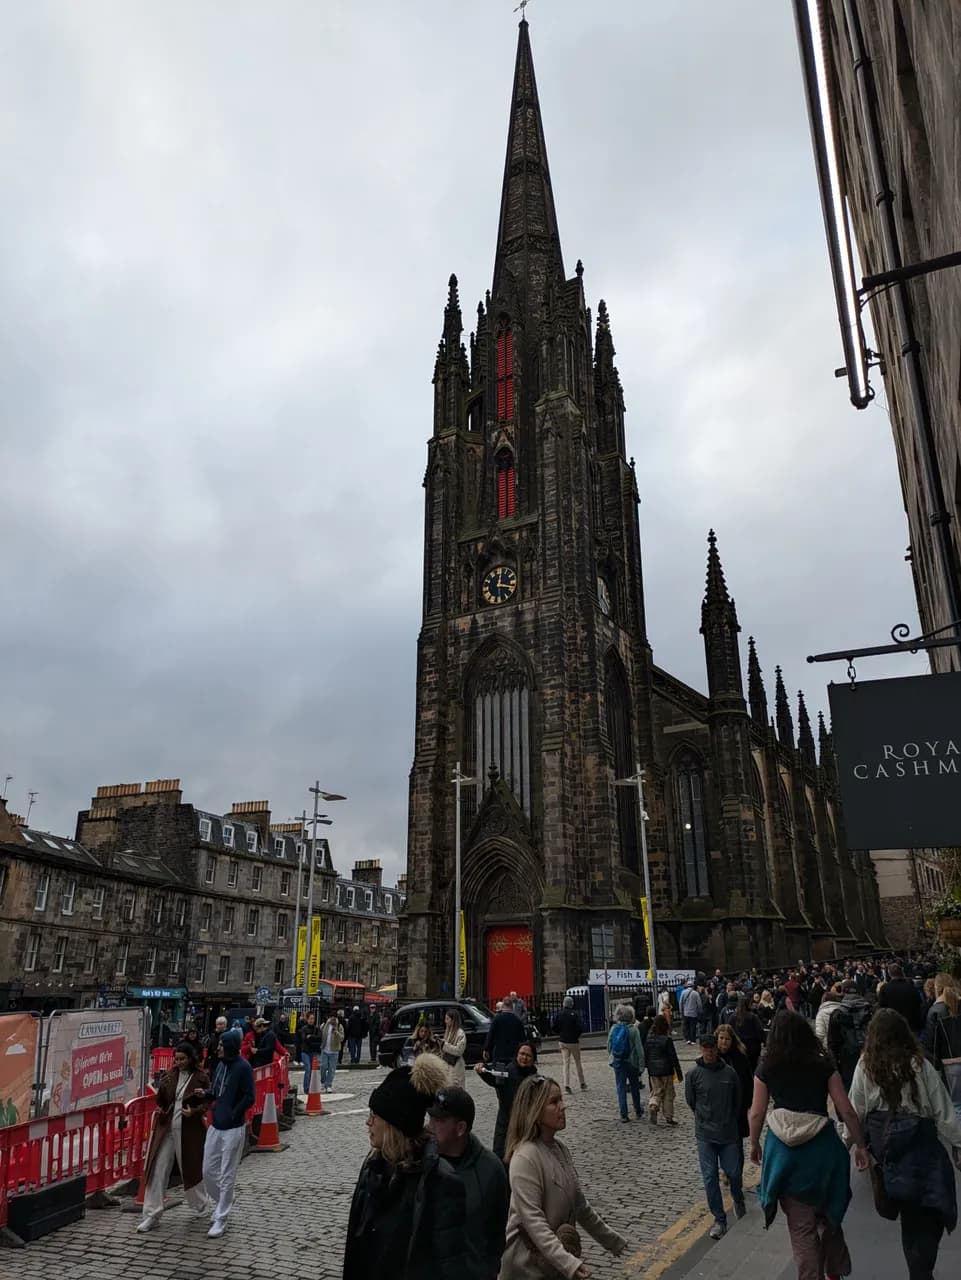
{"x": 522, "y": 7}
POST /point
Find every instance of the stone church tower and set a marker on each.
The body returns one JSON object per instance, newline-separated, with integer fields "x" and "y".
{"x": 535, "y": 672}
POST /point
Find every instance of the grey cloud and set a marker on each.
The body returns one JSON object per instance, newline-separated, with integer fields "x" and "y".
{"x": 224, "y": 247}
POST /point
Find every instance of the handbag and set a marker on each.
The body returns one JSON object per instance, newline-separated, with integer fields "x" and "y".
{"x": 568, "y": 1236}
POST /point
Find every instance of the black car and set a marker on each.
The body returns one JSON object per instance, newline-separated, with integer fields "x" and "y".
{"x": 475, "y": 1018}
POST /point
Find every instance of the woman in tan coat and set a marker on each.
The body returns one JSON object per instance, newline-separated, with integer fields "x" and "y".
{"x": 546, "y": 1198}
{"x": 178, "y": 1136}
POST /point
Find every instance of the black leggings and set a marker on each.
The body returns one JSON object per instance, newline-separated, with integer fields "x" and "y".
{"x": 921, "y": 1232}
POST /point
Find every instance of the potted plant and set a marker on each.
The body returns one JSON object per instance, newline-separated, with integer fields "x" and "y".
{"x": 947, "y": 913}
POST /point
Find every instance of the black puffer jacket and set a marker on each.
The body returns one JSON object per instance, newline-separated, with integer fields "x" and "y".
{"x": 661, "y": 1057}
{"x": 407, "y": 1222}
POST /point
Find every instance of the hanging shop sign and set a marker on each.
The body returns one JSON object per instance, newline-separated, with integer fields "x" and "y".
{"x": 898, "y": 749}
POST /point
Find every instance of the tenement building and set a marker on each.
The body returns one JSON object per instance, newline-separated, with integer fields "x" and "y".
{"x": 893, "y": 70}
{"x": 156, "y": 901}
{"x": 535, "y": 672}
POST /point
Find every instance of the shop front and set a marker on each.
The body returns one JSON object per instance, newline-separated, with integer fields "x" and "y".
{"x": 168, "y": 1010}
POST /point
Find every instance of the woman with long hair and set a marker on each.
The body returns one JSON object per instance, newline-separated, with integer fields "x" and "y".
{"x": 747, "y": 1026}
{"x": 663, "y": 1068}
{"x": 765, "y": 1010}
{"x": 547, "y": 1203}
{"x": 407, "y": 1215}
{"x": 944, "y": 1005}
{"x": 507, "y": 1083}
{"x": 911, "y": 1126}
{"x": 805, "y": 1169}
{"x": 178, "y": 1136}
{"x": 731, "y": 1050}
{"x": 421, "y": 1040}
{"x": 454, "y": 1046}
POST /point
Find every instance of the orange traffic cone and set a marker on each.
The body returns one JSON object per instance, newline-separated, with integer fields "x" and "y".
{"x": 315, "y": 1104}
{"x": 269, "y": 1139}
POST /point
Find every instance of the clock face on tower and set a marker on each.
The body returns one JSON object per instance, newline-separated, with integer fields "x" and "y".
{"x": 499, "y": 584}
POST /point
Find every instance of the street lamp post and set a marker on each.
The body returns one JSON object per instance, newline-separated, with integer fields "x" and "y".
{"x": 637, "y": 780}
{"x": 300, "y": 883}
{"x": 459, "y": 780}
{"x": 318, "y": 819}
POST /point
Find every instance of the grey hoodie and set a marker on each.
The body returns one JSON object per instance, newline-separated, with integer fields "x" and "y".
{"x": 714, "y": 1095}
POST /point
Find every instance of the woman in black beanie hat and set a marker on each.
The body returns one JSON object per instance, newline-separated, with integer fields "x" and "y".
{"x": 407, "y": 1217}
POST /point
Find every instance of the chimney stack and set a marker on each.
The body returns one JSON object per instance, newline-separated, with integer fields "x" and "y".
{"x": 369, "y": 871}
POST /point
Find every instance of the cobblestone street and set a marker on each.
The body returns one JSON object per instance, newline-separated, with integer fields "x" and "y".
{"x": 291, "y": 1210}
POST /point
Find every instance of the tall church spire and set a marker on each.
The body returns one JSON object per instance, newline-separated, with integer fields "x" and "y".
{"x": 719, "y": 627}
{"x": 757, "y": 696}
{"x": 805, "y": 737}
{"x": 528, "y": 245}
{"x": 782, "y": 708}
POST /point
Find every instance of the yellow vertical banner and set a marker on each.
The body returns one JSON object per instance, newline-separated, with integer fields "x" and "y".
{"x": 463, "y": 954}
{"x": 313, "y": 979}
{"x": 301, "y": 955}
{"x": 647, "y": 934}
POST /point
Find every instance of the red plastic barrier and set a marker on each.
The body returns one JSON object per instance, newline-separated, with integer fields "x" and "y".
{"x": 161, "y": 1060}
{"x": 40, "y": 1153}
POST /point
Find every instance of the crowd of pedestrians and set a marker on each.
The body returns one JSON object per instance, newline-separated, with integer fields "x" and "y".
{"x": 802, "y": 1068}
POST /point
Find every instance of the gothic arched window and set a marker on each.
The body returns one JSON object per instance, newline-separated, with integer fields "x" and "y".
{"x": 692, "y": 834}
{"x": 505, "y": 376}
{"x": 760, "y": 817}
{"x": 505, "y": 484}
{"x": 497, "y": 716}
{"x": 617, "y": 699}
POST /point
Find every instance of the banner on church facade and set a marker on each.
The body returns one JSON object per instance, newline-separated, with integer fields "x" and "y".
{"x": 898, "y": 749}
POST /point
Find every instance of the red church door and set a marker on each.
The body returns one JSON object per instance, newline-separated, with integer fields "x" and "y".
{"x": 510, "y": 961}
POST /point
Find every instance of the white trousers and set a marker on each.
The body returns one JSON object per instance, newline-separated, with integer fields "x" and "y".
{"x": 153, "y": 1196}
{"x": 223, "y": 1149}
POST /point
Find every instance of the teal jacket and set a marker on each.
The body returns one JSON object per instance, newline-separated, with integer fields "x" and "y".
{"x": 635, "y": 1059}
{"x": 818, "y": 1172}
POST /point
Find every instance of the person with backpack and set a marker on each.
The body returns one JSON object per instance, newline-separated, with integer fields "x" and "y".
{"x": 913, "y": 1133}
{"x": 847, "y": 1030}
{"x": 627, "y": 1059}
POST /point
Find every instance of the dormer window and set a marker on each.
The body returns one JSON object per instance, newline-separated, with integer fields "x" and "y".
{"x": 505, "y": 377}
{"x": 205, "y": 828}
{"x": 251, "y": 841}
{"x": 505, "y": 484}
{"x": 229, "y": 837}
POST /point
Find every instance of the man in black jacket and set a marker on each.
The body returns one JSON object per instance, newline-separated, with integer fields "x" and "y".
{"x": 265, "y": 1042}
{"x": 901, "y": 994}
{"x": 357, "y": 1029}
{"x": 484, "y": 1178}
{"x": 505, "y": 1037}
{"x": 569, "y": 1029}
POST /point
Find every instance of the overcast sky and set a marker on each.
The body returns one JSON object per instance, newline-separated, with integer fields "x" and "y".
{"x": 225, "y": 237}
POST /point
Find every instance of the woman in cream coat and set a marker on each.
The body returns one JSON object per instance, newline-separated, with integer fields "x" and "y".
{"x": 546, "y": 1198}
{"x": 454, "y": 1046}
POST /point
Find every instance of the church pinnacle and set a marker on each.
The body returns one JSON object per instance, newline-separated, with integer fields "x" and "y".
{"x": 528, "y": 244}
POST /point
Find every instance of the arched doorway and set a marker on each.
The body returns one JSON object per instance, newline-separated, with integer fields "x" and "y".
{"x": 501, "y": 885}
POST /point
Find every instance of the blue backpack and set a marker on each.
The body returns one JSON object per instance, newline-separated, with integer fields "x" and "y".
{"x": 620, "y": 1042}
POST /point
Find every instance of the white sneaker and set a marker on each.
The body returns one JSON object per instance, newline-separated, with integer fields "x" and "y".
{"x": 217, "y": 1228}
{"x": 146, "y": 1224}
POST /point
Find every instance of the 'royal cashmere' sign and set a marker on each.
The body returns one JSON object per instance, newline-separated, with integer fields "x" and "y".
{"x": 898, "y": 748}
